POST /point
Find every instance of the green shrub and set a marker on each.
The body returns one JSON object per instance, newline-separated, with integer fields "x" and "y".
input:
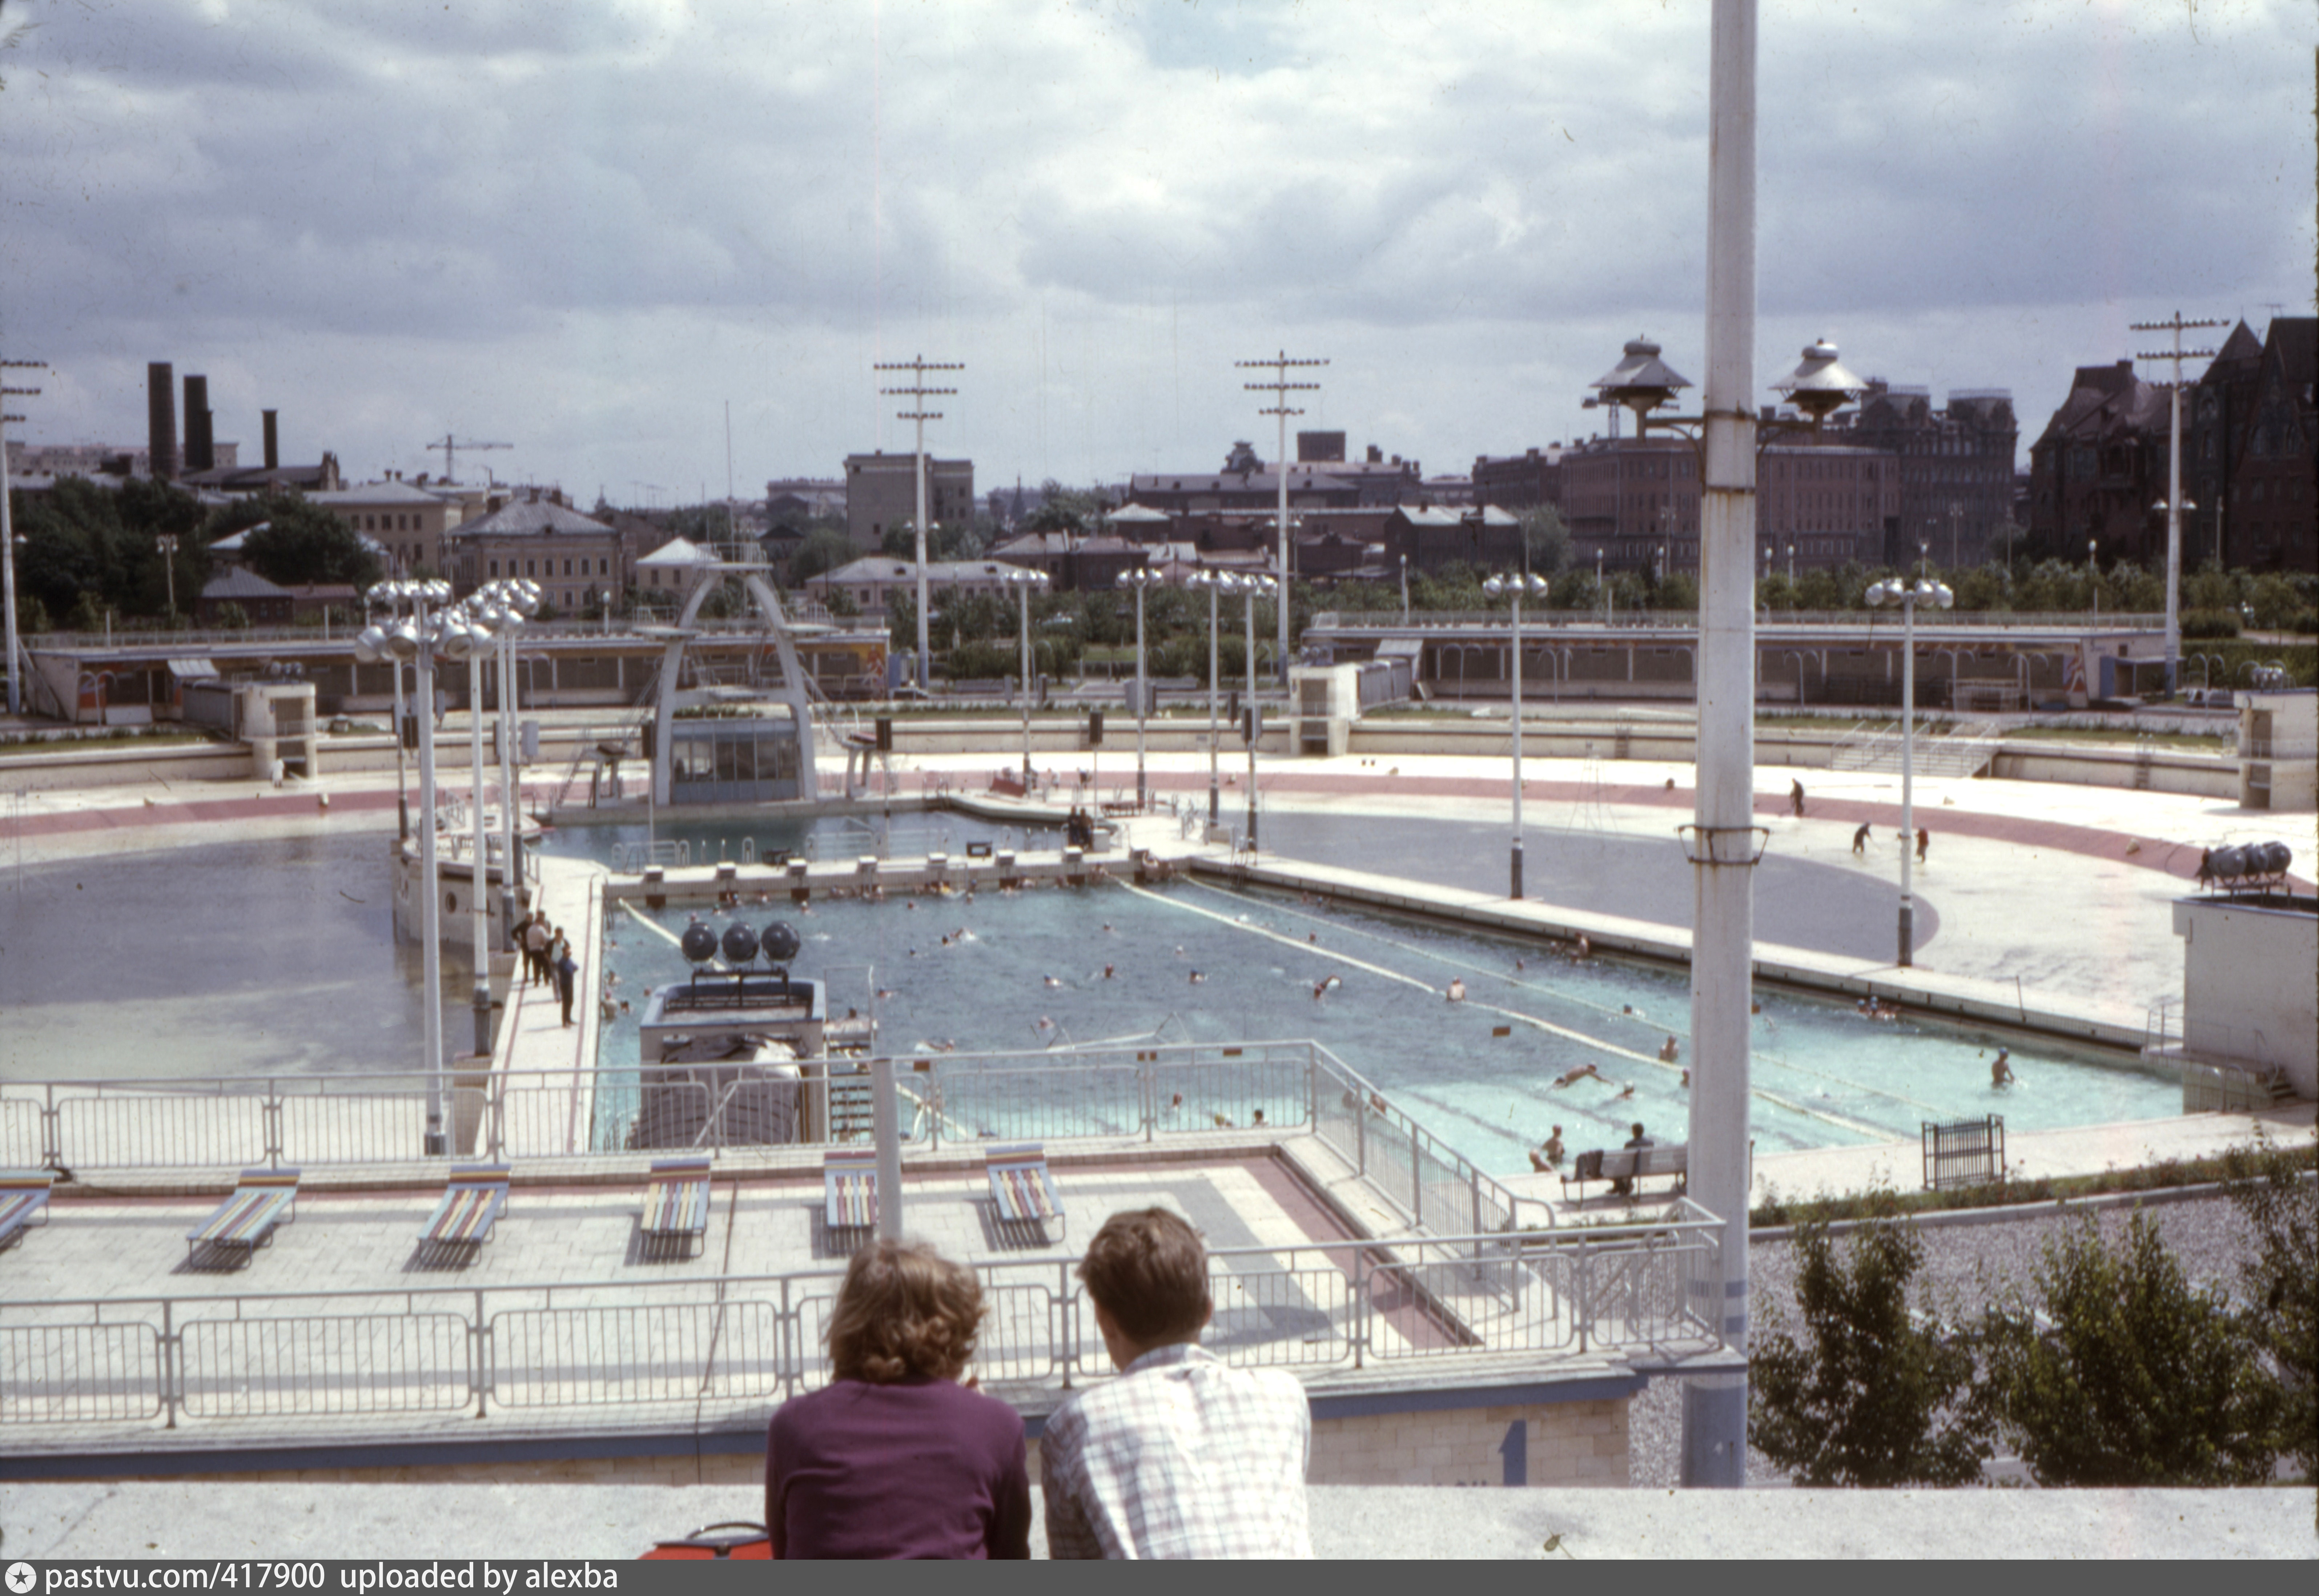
{"x": 2133, "y": 1378}
{"x": 2210, "y": 623}
{"x": 1866, "y": 1395}
{"x": 2276, "y": 1196}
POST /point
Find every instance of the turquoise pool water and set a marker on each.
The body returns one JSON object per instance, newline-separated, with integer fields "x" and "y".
{"x": 1028, "y": 971}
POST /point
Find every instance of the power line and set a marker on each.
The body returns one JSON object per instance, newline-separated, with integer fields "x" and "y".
{"x": 8, "y": 536}
{"x": 2177, "y": 354}
{"x": 918, "y": 366}
{"x": 1280, "y": 388}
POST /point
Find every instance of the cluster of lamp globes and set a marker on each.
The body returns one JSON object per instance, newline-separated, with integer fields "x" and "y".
{"x": 1222, "y": 581}
{"x": 454, "y": 631}
{"x": 1520, "y": 587}
{"x": 1923, "y": 590}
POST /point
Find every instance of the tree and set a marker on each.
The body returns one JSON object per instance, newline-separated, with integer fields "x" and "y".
{"x": 2133, "y": 1378}
{"x": 1546, "y": 538}
{"x": 82, "y": 541}
{"x": 1865, "y": 1396}
{"x": 294, "y": 542}
{"x": 2274, "y": 1193}
{"x": 825, "y": 548}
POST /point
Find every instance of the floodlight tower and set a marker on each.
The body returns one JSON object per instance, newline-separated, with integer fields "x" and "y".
{"x": 1280, "y": 388}
{"x": 8, "y": 536}
{"x": 2177, "y": 354}
{"x": 918, "y": 366}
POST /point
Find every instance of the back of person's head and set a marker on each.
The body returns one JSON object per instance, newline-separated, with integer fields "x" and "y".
{"x": 1147, "y": 1270}
{"x": 1639, "y": 1128}
{"x": 904, "y": 1310}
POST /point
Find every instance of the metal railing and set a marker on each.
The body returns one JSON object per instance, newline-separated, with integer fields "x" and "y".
{"x": 747, "y": 1340}
{"x": 1541, "y": 621}
{"x": 1132, "y": 1090}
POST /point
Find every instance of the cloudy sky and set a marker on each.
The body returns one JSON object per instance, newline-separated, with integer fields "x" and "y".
{"x": 584, "y": 226}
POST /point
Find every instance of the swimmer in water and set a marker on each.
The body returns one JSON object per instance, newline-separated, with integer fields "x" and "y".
{"x": 1197, "y": 977}
{"x": 1053, "y": 981}
{"x": 1320, "y": 988}
{"x": 1457, "y": 990}
{"x": 2000, "y": 1070}
{"x": 1669, "y": 1051}
{"x": 1584, "y": 1072}
{"x": 1107, "y": 972}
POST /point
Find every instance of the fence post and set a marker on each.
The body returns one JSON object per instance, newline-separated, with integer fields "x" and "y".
{"x": 270, "y": 1116}
{"x": 1360, "y": 1307}
{"x": 167, "y": 1369}
{"x": 51, "y": 1133}
{"x": 479, "y": 1356}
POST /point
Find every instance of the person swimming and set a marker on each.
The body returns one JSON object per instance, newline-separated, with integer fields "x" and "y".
{"x": 2000, "y": 1070}
{"x": 1321, "y": 988}
{"x": 1584, "y": 1072}
{"x": 1457, "y": 990}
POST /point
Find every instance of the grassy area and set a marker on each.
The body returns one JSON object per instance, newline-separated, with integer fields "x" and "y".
{"x": 71, "y": 742}
{"x": 1887, "y": 1203}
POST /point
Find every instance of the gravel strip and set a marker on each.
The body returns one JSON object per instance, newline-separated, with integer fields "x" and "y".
{"x": 1963, "y": 1268}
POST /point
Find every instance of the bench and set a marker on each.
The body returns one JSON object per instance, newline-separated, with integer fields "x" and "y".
{"x": 472, "y": 1204}
{"x": 244, "y": 1222}
{"x": 24, "y": 1198}
{"x": 849, "y": 1188}
{"x": 1630, "y": 1164}
{"x": 676, "y": 1203}
{"x": 1022, "y": 1191}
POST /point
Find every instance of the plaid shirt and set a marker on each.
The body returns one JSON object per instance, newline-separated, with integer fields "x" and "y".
{"x": 1180, "y": 1457}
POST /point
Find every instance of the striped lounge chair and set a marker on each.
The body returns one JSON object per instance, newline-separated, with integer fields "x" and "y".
{"x": 1022, "y": 1191}
{"x": 244, "y": 1222}
{"x": 849, "y": 1188}
{"x": 676, "y": 1204}
{"x": 24, "y": 1198}
{"x": 472, "y": 1204}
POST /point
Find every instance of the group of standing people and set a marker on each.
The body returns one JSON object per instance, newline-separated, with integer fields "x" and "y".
{"x": 547, "y": 958}
{"x": 1181, "y": 1456}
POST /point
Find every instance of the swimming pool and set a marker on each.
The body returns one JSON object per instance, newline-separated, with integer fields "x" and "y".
{"x": 1059, "y": 966}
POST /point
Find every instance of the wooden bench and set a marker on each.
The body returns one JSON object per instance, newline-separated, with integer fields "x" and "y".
{"x": 244, "y": 1222}
{"x": 676, "y": 1203}
{"x": 24, "y": 1198}
{"x": 1630, "y": 1164}
{"x": 472, "y": 1204}
{"x": 849, "y": 1188}
{"x": 1022, "y": 1191}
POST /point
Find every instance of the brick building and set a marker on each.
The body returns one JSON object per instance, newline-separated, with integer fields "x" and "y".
{"x": 1519, "y": 482}
{"x": 1818, "y": 504}
{"x": 881, "y": 492}
{"x": 571, "y": 556}
{"x": 2249, "y": 434}
{"x": 1955, "y": 484}
{"x": 2099, "y": 465}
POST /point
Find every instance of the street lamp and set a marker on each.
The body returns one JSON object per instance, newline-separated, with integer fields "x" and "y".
{"x": 1142, "y": 579}
{"x": 1599, "y": 585}
{"x": 513, "y": 600}
{"x": 1791, "y": 564}
{"x": 1253, "y": 588}
{"x": 1516, "y": 586}
{"x": 377, "y": 596}
{"x": 1906, "y": 595}
{"x": 1404, "y": 589}
{"x": 166, "y": 543}
{"x": 464, "y": 636}
{"x": 1216, "y": 582}
{"x": 2093, "y": 575}
{"x": 412, "y": 639}
{"x": 1023, "y": 581}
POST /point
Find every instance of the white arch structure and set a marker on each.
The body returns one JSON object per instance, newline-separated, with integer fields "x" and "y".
{"x": 795, "y": 690}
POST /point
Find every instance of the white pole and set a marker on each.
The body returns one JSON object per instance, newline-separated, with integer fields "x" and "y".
{"x": 1515, "y": 873}
{"x": 430, "y": 918}
{"x": 2174, "y": 520}
{"x": 8, "y": 575}
{"x": 886, "y": 1126}
{"x": 509, "y": 808}
{"x": 479, "y": 922}
{"x": 1024, "y": 589}
{"x": 925, "y": 678}
{"x": 1282, "y": 514}
{"x": 401, "y": 800}
{"x": 1254, "y": 587}
{"x": 1143, "y": 703}
{"x": 1213, "y": 802}
{"x": 1907, "y": 770}
{"x": 1715, "y": 1406}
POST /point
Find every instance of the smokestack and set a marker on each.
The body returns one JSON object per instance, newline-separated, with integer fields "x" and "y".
{"x": 160, "y": 421}
{"x": 199, "y": 454}
{"x": 273, "y": 443}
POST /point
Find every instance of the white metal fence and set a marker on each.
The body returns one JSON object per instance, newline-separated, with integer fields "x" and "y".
{"x": 740, "y": 1340}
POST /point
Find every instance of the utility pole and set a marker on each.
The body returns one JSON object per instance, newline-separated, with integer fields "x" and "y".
{"x": 451, "y": 447}
{"x": 918, "y": 366}
{"x": 2177, "y": 354}
{"x": 1280, "y": 388}
{"x": 8, "y": 535}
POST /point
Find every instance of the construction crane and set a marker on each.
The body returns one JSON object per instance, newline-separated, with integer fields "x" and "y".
{"x": 451, "y": 447}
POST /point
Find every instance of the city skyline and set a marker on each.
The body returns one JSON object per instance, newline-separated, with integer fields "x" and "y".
{"x": 585, "y": 231}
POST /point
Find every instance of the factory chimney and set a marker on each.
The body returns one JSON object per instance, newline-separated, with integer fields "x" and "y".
{"x": 273, "y": 443}
{"x": 160, "y": 422}
{"x": 200, "y": 452}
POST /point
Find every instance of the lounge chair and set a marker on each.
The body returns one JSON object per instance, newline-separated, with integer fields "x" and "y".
{"x": 472, "y": 1204}
{"x": 676, "y": 1204}
{"x": 849, "y": 1188}
{"x": 24, "y": 1198}
{"x": 1020, "y": 1189}
{"x": 244, "y": 1222}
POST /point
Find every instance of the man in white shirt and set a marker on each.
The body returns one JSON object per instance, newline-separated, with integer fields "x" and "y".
{"x": 1182, "y": 1455}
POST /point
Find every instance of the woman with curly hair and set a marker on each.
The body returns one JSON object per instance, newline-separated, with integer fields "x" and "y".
{"x": 895, "y": 1457}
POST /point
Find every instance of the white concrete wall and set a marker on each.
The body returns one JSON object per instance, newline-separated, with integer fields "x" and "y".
{"x": 2250, "y": 986}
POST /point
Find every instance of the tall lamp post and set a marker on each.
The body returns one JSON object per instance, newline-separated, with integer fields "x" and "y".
{"x": 514, "y": 600}
{"x": 412, "y": 639}
{"x": 1908, "y": 595}
{"x": 467, "y": 636}
{"x": 166, "y": 542}
{"x": 2173, "y": 499}
{"x": 1142, "y": 579}
{"x": 1023, "y": 581}
{"x": 2093, "y": 575}
{"x": 1216, "y": 582}
{"x": 1516, "y": 586}
{"x": 1253, "y": 588}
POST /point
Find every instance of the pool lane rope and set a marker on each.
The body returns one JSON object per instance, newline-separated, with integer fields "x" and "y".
{"x": 1777, "y": 1099}
{"x": 1782, "y": 1060}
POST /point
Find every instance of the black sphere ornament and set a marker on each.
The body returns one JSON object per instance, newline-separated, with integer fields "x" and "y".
{"x": 740, "y": 944}
{"x": 780, "y": 941}
{"x": 700, "y": 943}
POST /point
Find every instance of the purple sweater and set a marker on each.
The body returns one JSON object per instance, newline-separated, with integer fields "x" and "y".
{"x": 919, "y": 1468}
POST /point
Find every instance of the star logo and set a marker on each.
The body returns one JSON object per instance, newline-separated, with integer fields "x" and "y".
{"x": 20, "y": 1578}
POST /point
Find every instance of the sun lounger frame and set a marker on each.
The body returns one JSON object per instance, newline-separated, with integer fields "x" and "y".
{"x": 23, "y": 1199}
{"x": 676, "y": 1204}
{"x": 262, "y": 1200}
{"x": 474, "y": 1199}
{"x": 1022, "y": 1189}
{"x": 849, "y": 1188}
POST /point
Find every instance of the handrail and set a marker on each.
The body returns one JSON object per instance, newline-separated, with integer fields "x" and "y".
{"x": 1540, "y": 621}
